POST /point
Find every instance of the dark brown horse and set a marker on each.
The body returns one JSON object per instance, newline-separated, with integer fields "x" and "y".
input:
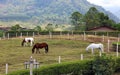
{"x": 38, "y": 46}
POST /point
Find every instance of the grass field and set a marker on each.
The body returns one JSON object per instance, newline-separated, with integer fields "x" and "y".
{"x": 15, "y": 55}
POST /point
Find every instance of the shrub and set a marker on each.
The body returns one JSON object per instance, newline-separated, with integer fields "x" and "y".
{"x": 117, "y": 66}
{"x": 103, "y": 65}
{"x": 73, "y": 68}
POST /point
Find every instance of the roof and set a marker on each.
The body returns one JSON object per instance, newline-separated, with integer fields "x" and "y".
{"x": 5, "y": 28}
{"x": 102, "y": 28}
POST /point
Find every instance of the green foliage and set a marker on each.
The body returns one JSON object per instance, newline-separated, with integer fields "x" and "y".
{"x": 49, "y": 27}
{"x": 117, "y": 26}
{"x": 115, "y": 43}
{"x": 94, "y": 18}
{"x": 77, "y": 20}
{"x": 37, "y": 28}
{"x": 1, "y": 33}
{"x": 91, "y": 18}
{"x": 73, "y": 68}
{"x": 16, "y": 27}
{"x": 117, "y": 66}
{"x": 42, "y": 10}
{"x": 103, "y": 65}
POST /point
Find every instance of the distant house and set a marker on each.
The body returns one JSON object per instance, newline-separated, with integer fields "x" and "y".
{"x": 5, "y": 28}
{"x": 103, "y": 29}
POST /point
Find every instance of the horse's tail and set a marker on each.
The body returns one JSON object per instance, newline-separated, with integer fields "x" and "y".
{"x": 46, "y": 48}
{"x": 33, "y": 48}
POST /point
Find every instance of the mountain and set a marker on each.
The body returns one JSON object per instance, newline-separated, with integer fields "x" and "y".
{"x": 45, "y": 11}
{"x": 118, "y": 13}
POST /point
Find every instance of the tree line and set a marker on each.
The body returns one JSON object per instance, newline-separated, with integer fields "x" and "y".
{"x": 92, "y": 19}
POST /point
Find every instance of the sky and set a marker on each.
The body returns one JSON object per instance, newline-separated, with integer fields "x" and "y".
{"x": 110, "y": 5}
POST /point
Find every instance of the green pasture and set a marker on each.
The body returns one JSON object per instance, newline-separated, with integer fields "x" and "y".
{"x": 15, "y": 55}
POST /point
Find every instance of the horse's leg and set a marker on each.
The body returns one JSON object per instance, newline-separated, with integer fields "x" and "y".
{"x": 38, "y": 51}
{"x": 31, "y": 43}
{"x": 92, "y": 50}
{"x": 25, "y": 43}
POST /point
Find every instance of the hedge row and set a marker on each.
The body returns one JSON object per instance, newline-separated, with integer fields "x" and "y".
{"x": 99, "y": 66}
{"x": 73, "y": 68}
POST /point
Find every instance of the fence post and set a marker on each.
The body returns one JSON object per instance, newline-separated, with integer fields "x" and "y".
{"x": 60, "y": 34}
{"x": 31, "y": 65}
{"x": 81, "y": 56}
{"x": 8, "y": 35}
{"x": 50, "y": 34}
{"x": 3, "y": 35}
{"x": 103, "y": 38}
{"x": 6, "y": 69}
{"x": 117, "y": 50}
{"x": 59, "y": 60}
{"x": 33, "y": 34}
{"x": 95, "y": 33}
{"x": 108, "y": 44}
{"x": 27, "y": 33}
{"x": 84, "y": 36}
{"x": 72, "y": 32}
{"x": 21, "y": 35}
{"x": 68, "y": 35}
{"x": 16, "y": 34}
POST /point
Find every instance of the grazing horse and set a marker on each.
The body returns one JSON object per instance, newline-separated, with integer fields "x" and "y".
{"x": 92, "y": 46}
{"x": 27, "y": 41}
{"x": 38, "y": 46}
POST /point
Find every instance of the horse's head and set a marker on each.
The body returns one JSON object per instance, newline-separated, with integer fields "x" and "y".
{"x": 32, "y": 51}
{"x": 88, "y": 47}
{"x": 23, "y": 42}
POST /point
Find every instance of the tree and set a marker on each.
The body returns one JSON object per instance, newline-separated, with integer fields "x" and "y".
{"x": 37, "y": 28}
{"x": 91, "y": 18}
{"x": 49, "y": 27}
{"x": 94, "y": 18}
{"x": 16, "y": 27}
{"x": 76, "y": 20}
{"x": 116, "y": 26}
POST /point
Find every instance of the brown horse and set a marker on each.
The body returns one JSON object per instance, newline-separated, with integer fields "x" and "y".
{"x": 38, "y": 46}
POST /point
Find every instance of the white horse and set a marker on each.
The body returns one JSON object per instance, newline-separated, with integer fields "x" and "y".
{"x": 27, "y": 41}
{"x": 92, "y": 46}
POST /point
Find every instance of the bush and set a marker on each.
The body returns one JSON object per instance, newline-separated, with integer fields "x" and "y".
{"x": 103, "y": 65}
{"x": 117, "y": 66}
{"x": 73, "y": 68}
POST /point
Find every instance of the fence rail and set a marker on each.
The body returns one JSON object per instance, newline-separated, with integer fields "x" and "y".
{"x": 33, "y": 33}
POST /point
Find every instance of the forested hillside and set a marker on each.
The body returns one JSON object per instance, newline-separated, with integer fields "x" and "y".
{"x": 45, "y": 11}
